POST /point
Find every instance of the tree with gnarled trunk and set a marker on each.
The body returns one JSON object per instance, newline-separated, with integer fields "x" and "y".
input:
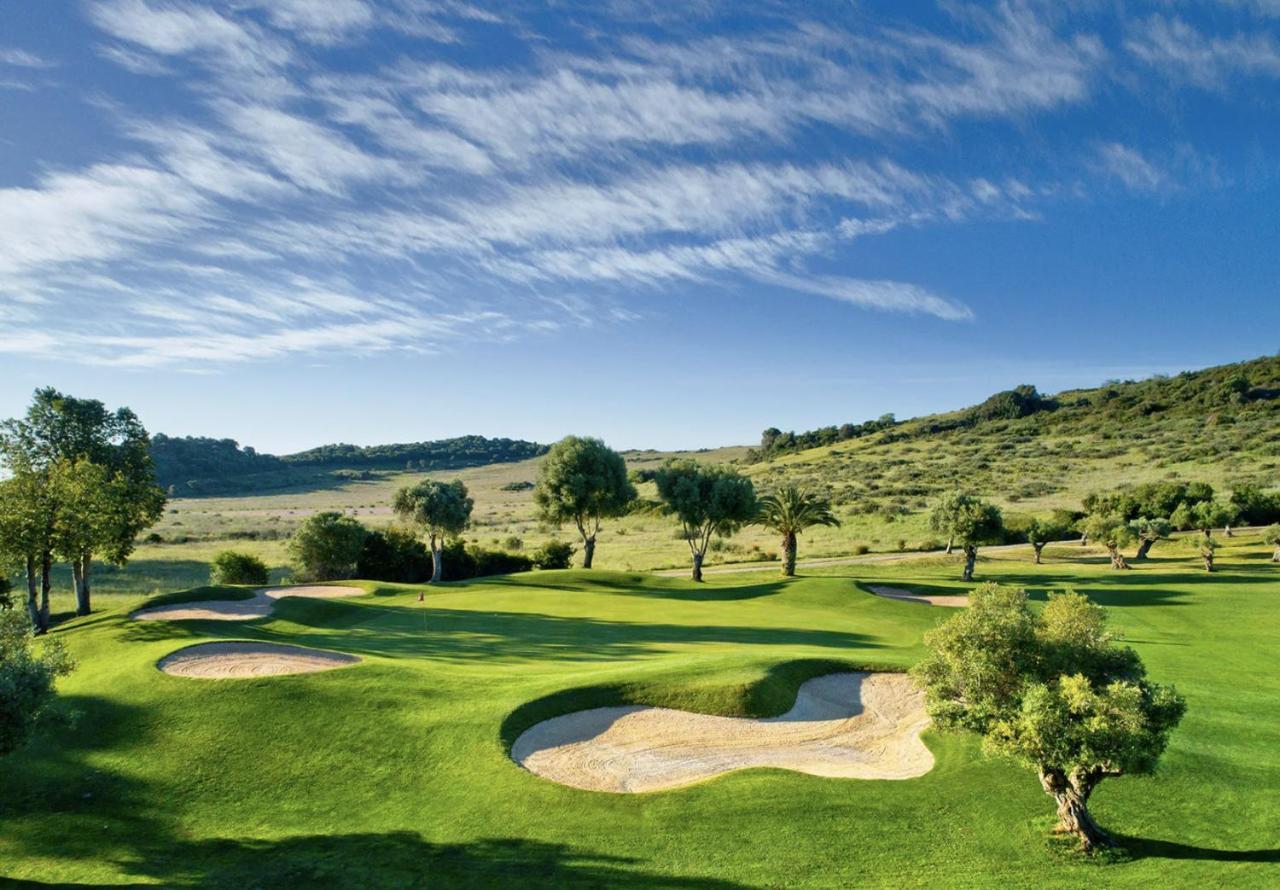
{"x": 582, "y": 481}
{"x": 1041, "y": 531}
{"x": 708, "y": 500}
{"x": 1148, "y": 532}
{"x": 970, "y": 522}
{"x": 1271, "y": 537}
{"x": 790, "y": 511}
{"x": 1112, "y": 532}
{"x": 1207, "y": 548}
{"x": 1053, "y": 691}
{"x": 442, "y": 509}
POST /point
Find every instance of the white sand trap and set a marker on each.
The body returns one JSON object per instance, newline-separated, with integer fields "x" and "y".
{"x": 259, "y": 606}
{"x": 906, "y": 596}
{"x": 851, "y": 726}
{"x": 229, "y": 661}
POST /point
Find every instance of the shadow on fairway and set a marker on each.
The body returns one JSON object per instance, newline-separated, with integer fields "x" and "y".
{"x": 1149, "y": 848}
{"x": 705, "y": 593}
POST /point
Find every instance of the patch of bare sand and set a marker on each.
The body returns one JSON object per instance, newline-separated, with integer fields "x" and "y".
{"x": 230, "y": 661}
{"x": 856, "y": 726}
{"x": 259, "y": 606}
{"x": 906, "y": 596}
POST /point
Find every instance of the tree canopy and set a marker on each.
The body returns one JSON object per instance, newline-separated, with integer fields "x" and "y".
{"x": 968, "y": 521}
{"x": 582, "y": 481}
{"x": 1052, "y": 690}
{"x": 441, "y": 509}
{"x": 708, "y": 500}
{"x": 327, "y": 546}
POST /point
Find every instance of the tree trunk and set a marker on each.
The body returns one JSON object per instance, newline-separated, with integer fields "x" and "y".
{"x": 1275, "y": 557}
{"x": 1072, "y": 798}
{"x": 588, "y": 550}
{"x": 1039, "y": 550}
{"x": 951, "y": 544}
{"x": 1227, "y": 532}
{"x": 33, "y": 607}
{"x": 1117, "y": 558}
{"x": 1208, "y": 561}
{"x": 437, "y": 563}
{"x": 970, "y": 557}
{"x": 1144, "y": 547}
{"x": 46, "y": 564}
{"x": 697, "y": 566}
{"x": 788, "y": 555}
{"x": 1084, "y": 540}
{"x": 86, "y": 579}
{"x": 80, "y": 579}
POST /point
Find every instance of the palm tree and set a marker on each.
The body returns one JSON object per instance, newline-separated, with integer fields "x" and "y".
{"x": 789, "y": 512}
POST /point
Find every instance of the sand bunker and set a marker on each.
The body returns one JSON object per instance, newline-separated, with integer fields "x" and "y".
{"x": 854, "y": 726}
{"x": 897, "y": 593}
{"x": 229, "y": 661}
{"x": 259, "y": 606}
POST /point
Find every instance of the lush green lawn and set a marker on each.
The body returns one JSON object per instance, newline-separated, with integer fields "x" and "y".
{"x": 394, "y": 772}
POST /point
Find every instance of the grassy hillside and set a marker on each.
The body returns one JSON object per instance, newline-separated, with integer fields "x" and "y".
{"x": 395, "y": 772}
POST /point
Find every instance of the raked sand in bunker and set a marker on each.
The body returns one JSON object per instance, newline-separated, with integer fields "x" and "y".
{"x": 259, "y": 605}
{"x": 239, "y": 660}
{"x": 906, "y": 596}
{"x": 855, "y": 725}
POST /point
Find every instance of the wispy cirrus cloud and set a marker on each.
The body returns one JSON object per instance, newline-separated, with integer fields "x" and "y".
{"x": 1184, "y": 53}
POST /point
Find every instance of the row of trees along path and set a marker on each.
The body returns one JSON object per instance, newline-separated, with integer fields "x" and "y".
{"x": 78, "y": 484}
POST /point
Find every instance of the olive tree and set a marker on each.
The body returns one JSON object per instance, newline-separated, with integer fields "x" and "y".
{"x": 968, "y": 521}
{"x": 1053, "y": 691}
{"x": 441, "y": 509}
{"x": 1148, "y": 532}
{"x": 1041, "y": 531}
{"x": 1111, "y": 531}
{"x": 1207, "y": 546}
{"x": 1271, "y": 537}
{"x": 790, "y": 511}
{"x": 708, "y": 500}
{"x": 582, "y": 481}
{"x": 327, "y": 546}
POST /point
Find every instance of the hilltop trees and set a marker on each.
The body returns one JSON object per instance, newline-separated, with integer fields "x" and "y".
{"x": 1148, "y": 531}
{"x": 582, "y": 481}
{"x": 969, "y": 522}
{"x": 708, "y": 500}
{"x": 1052, "y": 691}
{"x": 80, "y": 484}
{"x": 789, "y": 512}
{"x": 1111, "y": 531}
{"x": 441, "y": 509}
{"x": 327, "y": 546}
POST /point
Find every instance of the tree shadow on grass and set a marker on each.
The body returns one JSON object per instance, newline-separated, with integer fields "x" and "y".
{"x": 1150, "y": 848}
{"x": 707, "y": 594}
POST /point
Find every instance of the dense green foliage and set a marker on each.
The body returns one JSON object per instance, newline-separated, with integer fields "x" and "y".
{"x": 774, "y": 442}
{"x": 234, "y": 567}
{"x": 327, "y": 546}
{"x": 27, "y": 677}
{"x": 1051, "y": 690}
{"x": 441, "y": 509}
{"x": 968, "y": 521}
{"x": 194, "y": 466}
{"x": 582, "y": 481}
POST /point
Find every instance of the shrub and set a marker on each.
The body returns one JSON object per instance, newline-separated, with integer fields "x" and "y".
{"x": 860, "y": 549}
{"x": 6, "y": 598}
{"x": 394, "y": 554}
{"x": 513, "y": 542}
{"x": 232, "y": 567}
{"x": 554, "y": 555}
{"x": 462, "y": 562}
{"x": 327, "y": 546}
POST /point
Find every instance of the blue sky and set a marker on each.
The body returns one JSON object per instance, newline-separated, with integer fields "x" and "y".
{"x": 303, "y": 221}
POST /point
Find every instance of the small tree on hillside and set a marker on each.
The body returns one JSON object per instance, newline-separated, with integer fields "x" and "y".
{"x": 1271, "y": 536}
{"x": 1051, "y": 690}
{"x": 1112, "y": 532}
{"x": 1042, "y": 531}
{"x": 789, "y": 512}
{"x": 441, "y": 509}
{"x": 582, "y": 481}
{"x": 708, "y": 500}
{"x": 327, "y": 546}
{"x": 970, "y": 522}
{"x": 1148, "y": 532}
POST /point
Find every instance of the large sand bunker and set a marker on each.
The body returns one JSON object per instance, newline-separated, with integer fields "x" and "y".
{"x": 906, "y": 596}
{"x": 259, "y": 606}
{"x": 229, "y": 661}
{"x": 854, "y": 726}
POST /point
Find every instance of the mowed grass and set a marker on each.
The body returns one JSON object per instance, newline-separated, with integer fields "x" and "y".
{"x": 395, "y": 772}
